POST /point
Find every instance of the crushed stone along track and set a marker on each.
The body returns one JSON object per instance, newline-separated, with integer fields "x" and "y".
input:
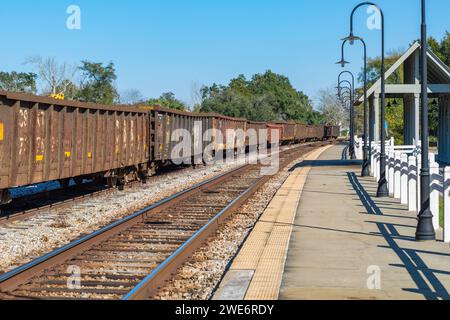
{"x": 116, "y": 261}
{"x": 28, "y": 206}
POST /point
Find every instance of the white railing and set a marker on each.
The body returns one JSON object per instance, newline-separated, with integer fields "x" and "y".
{"x": 403, "y": 165}
{"x": 359, "y": 145}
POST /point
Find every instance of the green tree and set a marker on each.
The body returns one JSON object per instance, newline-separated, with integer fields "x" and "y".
{"x": 394, "y": 118}
{"x": 266, "y": 97}
{"x": 98, "y": 84}
{"x": 168, "y": 100}
{"x": 18, "y": 82}
{"x": 374, "y": 68}
{"x": 442, "y": 48}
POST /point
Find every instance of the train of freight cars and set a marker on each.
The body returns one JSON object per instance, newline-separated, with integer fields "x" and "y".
{"x": 43, "y": 139}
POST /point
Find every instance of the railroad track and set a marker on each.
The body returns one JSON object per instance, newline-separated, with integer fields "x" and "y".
{"x": 133, "y": 257}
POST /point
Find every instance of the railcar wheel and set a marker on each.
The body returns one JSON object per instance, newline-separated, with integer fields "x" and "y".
{"x": 64, "y": 183}
{"x": 112, "y": 181}
{"x": 78, "y": 181}
{"x": 5, "y": 197}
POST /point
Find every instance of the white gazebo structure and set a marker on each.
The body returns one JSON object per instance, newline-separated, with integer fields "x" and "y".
{"x": 409, "y": 91}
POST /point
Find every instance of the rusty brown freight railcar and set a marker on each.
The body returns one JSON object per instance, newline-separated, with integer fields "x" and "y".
{"x": 301, "y": 132}
{"x": 43, "y": 139}
{"x": 314, "y": 133}
{"x": 288, "y": 131}
{"x": 165, "y": 135}
{"x": 332, "y": 132}
{"x": 256, "y": 127}
{"x": 222, "y": 125}
{"x": 275, "y": 128}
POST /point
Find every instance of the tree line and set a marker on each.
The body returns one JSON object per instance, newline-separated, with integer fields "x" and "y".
{"x": 264, "y": 97}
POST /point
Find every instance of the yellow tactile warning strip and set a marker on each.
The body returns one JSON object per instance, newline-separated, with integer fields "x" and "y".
{"x": 266, "y": 248}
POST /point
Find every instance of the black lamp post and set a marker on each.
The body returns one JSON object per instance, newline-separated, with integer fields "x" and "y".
{"x": 352, "y": 118}
{"x": 347, "y": 91}
{"x": 366, "y": 149}
{"x": 382, "y": 185}
{"x": 425, "y": 229}
{"x": 345, "y": 96}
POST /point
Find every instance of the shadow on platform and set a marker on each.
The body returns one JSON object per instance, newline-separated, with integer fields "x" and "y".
{"x": 326, "y": 163}
{"x": 421, "y": 274}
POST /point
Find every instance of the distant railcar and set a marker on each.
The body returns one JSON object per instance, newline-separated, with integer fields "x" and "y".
{"x": 274, "y": 131}
{"x": 288, "y": 134}
{"x": 228, "y": 133}
{"x": 332, "y": 132}
{"x": 168, "y": 128}
{"x": 301, "y": 132}
{"x": 319, "y": 133}
{"x": 255, "y": 128}
{"x": 43, "y": 139}
{"x": 314, "y": 133}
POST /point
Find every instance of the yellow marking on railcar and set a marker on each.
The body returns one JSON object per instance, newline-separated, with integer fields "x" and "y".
{"x": 58, "y": 96}
{"x": 67, "y": 154}
{"x": 39, "y": 157}
{"x": 147, "y": 108}
{"x": 1, "y": 131}
{"x": 89, "y": 154}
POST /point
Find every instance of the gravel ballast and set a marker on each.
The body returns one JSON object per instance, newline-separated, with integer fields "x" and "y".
{"x": 24, "y": 240}
{"x": 197, "y": 279}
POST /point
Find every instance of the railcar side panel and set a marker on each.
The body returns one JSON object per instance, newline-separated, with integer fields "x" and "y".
{"x": 301, "y": 132}
{"x": 225, "y": 129}
{"x": 288, "y": 132}
{"x": 42, "y": 139}
{"x": 273, "y": 128}
{"x": 255, "y": 127}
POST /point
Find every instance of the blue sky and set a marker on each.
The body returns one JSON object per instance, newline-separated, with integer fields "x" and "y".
{"x": 178, "y": 45}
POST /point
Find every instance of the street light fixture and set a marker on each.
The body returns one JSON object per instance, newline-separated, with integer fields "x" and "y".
{"x": 367, "y": 150}
{"x": 345, "y": 95}
{"x": 382, "y": 185}
{"x": 425, "y": 230}
{"x": 352, "y": 118}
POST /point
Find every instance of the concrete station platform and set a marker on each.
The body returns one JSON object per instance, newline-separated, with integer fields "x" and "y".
{"x": 326, "y": 236}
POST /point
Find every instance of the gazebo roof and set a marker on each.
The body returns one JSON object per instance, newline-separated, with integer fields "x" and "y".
{"x": 438, "y": 75}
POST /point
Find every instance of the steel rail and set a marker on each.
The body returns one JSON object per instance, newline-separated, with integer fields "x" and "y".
{"x": 149, "y": 286}
{"x": 11, "y": 280}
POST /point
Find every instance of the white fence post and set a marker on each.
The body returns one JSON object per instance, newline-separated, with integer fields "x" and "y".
{"x": 434, "y": 193}
{"x": 377, "y": 165}
{"x": 372, "y": 160}
{"x": 446, "y": 193}
{"x": 404, "y": 179}
{"x": 358, "y": 147}
{"x": 397, "y": 175}
{"x": 432, "y": 158}
{"x": 418, "y": 168}
{"x": 412, "y": 184}
{"x": 391, "y": 173}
